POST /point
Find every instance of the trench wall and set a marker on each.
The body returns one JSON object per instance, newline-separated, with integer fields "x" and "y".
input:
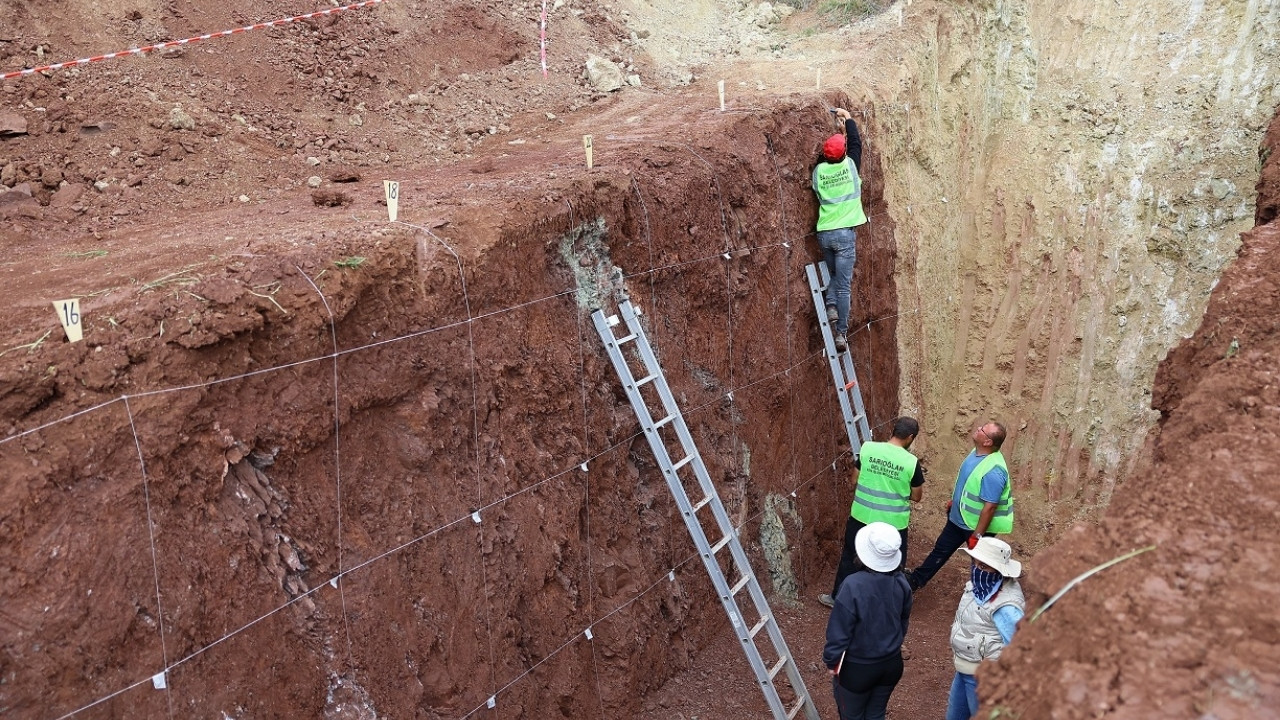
{"x": 411, "y": 485}
{"x": 1070, "y": 180}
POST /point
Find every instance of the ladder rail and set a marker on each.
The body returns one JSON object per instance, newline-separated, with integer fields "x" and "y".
{"x": 848, "y": 391}
{"x": 729, "y": 533}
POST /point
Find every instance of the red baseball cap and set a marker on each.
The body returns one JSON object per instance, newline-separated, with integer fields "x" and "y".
{"x": 833, "y": 148}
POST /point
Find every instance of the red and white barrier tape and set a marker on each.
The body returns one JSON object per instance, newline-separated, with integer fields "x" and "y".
{"x": 544, "y": 38}
{"x": 176, "y": 43}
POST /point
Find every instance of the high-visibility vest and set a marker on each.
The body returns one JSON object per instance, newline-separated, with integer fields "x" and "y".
{"x": 839, "y": 190}
{"x": 971, "y": 501}
{"x": 884, "y": 485}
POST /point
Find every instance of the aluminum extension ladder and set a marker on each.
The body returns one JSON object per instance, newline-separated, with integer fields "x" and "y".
{"x": 846, "y": 380}
{"x": 671, "y": 417}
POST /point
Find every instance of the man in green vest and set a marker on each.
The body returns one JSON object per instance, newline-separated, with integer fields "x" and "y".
{"x": 887, "y": 479}
{"x": 838, "y": 185}
{"x": 981, "y": 504}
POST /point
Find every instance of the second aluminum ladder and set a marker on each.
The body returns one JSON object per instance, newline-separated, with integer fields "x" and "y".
{"x": 846, "y": 379}
{"x": 746, "y": 628}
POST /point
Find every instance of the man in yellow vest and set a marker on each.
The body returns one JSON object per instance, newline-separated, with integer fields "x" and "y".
{"x": 981, "y": 504}
{"x": 838, "y": 185}
{"x": 887, "y": 479}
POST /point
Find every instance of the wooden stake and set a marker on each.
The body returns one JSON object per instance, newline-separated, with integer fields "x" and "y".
{"x": 586, "y": 145}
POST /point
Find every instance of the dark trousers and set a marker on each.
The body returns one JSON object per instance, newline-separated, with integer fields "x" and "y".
{"x": 949, "y": 540}
{"x": 849, "y": 562}
{"x": 862, "y": 691}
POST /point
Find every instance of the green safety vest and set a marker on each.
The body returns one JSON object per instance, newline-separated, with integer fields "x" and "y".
{"x": 884, "y": 485}
{"x": 839, "y": 190}
{"x": 971, "y": 501}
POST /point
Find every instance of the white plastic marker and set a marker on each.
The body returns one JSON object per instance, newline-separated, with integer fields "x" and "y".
{"x": 157, "y": 681}
{"x": 588, "y": 631}
{"x": 493, "y": 702}
{"x": 393, "y": 198}
{"x": 721, "y": 96}
{"x": 586, "y": 145}
{"x": 69, "y": 315}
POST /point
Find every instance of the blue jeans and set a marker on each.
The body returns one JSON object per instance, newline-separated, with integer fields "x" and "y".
{"x": 950, "y": 539}
{"x": 963, "y": 703}
{"x": 839, "y": 250}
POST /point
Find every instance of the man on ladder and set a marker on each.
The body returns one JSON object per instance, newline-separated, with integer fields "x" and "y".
{"x": 888, "y": 478}
{"x": 838, "y": 186}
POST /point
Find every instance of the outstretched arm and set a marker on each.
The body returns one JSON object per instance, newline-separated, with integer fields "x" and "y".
{"x": 853, "y": 142}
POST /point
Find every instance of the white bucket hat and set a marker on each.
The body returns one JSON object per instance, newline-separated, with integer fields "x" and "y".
{"x": 879, "y": 547}
{"x": 996, "y": 553}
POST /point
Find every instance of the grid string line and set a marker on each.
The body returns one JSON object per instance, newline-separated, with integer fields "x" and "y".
{"x": 337, "y": 456}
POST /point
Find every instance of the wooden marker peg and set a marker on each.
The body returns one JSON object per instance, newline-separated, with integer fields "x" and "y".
{"x": 818, "y": 83}
{"x": 721, "y": 96}
{"x": 392, "y": 189}
{"x": 586, "y": 146}
{"x": 69, "y": 315}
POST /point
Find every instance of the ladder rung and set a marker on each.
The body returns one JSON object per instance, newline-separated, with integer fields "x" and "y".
{"x": 702, "y": 503}
{"x": 626, "y": 339}
{"x": 740, "y": 584}
{"x": 773, "y": 672}
{"x": 759, "y": 626}
{"x": 720, "y": 545}
{"x": 664, "y": 422}
{"x": 796, "y": 710}
{"x": 646, "y": 380}
{"x": 687, "y": 459}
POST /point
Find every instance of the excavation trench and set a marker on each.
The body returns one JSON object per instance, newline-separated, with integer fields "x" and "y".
{"x": 482, "y": 495}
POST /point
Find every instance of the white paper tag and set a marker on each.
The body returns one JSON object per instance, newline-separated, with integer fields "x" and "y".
{"x": 493, "y": 701}
{"x": 475, "y": 516}
{"x": 158, "y": 681}
{"x": 392, "y": 189}
{"x": 69, "y": 316}
{"x": 588, "y": 631}
{"x": 583, "y": 466}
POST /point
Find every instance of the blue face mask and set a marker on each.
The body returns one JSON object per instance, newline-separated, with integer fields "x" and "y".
{"x": 985, "y": 583}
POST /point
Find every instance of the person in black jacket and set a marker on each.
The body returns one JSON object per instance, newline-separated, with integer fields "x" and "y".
{"x": 867, "y": 626}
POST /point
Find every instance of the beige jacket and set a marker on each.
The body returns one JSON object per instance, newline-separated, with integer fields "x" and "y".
{"x": 974, "y": 636}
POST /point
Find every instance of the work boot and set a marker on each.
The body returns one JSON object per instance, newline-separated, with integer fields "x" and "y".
{"x": 832, "y": 314}
{"x": 827, "y": 600}
{"x": 841, "y": 343}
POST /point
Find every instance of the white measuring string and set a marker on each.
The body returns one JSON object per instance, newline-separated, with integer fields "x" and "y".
{"x": 337, "y": 456}
{"x": 155, "y": 563}
{"x": 475, "y": 442}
